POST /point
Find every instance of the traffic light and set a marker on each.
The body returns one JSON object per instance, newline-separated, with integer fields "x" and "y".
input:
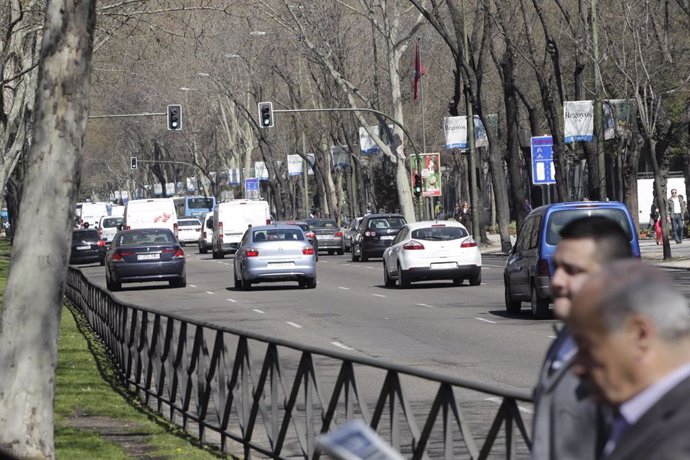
{"x": 134, "y": 162}
{"x": 417, "y": 185}
{"x": 266, "y": 114}
{"x": 174, "y": 117}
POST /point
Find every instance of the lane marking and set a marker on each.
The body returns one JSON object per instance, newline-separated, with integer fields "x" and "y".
{"x": 344, "y": 288}
{"x": 425, "y": 305}
{"x": 232, "y": 300}
{"x": 259, "y": 311}
{"x": 344, "y": 347}
{"x": 551, "y": 336}
{"x": 493, "y": 266}
{"x": 485, "y": 320}
{"x": 371, "y": 268}
{"x": 192, "y": 285}
{"x": 294, "y": 324}
{"x": 499, "y": 402}
{"x": 209, "y": 292}
{"x": 379, "y": 295}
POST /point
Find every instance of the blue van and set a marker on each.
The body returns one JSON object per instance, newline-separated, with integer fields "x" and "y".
{"x": 528, "y": 270}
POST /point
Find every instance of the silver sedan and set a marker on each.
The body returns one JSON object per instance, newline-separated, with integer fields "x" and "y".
{"x": 274, "y": 253}
{"x": 432, "y": 251}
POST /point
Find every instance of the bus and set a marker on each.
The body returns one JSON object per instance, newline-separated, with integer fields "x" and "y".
{"x": 195, "y": 206}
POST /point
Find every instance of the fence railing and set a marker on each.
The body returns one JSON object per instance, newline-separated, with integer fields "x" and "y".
{"x": 261, "y": 395}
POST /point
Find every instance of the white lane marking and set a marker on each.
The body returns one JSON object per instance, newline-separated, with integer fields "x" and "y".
{"x": 425, "y": 305}
{"x": 192, "y": 285}
{"x": 344, "y": 288}
{"x": 259, "y": 311}
{"x": 226, "y": 263}
{"x": 485, "y": 320}
{"x": 340, "y": 345}
{"x": 551, "y": 336}
{"x": 209, "y": 292}
{"x": 499, "y": 401}
{"x": 379, "y": 295}
{"x": 294, "y": 324}
{"x": 372, "y": 268}
{"x": 492, "y": 266}
{"x": 232, "y": 300}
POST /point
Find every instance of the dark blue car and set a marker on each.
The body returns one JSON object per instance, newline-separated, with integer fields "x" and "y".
{"x": 528, "y": 270}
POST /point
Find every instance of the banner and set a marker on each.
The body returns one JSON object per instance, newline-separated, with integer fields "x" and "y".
{"x": 260, "y": 171}
{"x": 295, "y": 165}
{"x": 234, "y": 176}
{"x": 367, "y": 145}
{"x": 455, "y": 129}
{"x": 579, "y": 121}
{"x": 191, "y": 184}
{"x": 340, "y": 157}
{"x": 618, "y": 117}
{"x": 431, "y": 172}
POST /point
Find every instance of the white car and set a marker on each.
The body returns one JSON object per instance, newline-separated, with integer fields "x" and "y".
{"x": 188, "y": 230}
{"x": 432, "y": 250}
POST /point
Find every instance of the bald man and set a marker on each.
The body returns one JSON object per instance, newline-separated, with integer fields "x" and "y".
{"x": 632, "y": 330}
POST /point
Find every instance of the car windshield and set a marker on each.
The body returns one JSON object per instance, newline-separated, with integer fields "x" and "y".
{"x": 323, "y": 224}
{"x": 138, "y": 238}
{"x": 188, "y": 223}
{"x": 559, "y": 219}
{"x": 112, "y": 222}
{"x": 277, "y": 235}
{"x": 386, "y": 222}
{"x": 85, "y": 235}
{"x": 439, "y": 233}
{"x": 200, "y": 203}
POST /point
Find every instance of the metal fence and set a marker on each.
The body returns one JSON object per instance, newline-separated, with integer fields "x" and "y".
{"x": 269, "y": 397}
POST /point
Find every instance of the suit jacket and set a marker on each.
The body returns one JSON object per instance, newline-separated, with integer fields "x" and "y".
{"x": 567, "y": 424}
{"x": 662, "y": 433}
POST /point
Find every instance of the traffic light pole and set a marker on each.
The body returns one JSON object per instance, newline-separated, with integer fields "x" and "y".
{"x": 418, "y": 160}
{"x": 129, "y": 115}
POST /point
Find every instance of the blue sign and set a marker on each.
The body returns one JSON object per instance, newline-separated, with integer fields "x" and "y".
{"x": 543, "y": 171}
{"x": 251, "y": 188}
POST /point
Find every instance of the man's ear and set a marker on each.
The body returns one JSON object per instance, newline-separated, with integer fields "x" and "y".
{"x": 641, "y": 333}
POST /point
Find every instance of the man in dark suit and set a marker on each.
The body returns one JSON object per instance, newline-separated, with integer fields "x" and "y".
{"x": 567, "y": 424}
{"x": 632, "y": 328}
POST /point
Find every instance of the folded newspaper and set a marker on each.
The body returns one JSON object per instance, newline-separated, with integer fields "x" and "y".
{"x": 355, "y": 440}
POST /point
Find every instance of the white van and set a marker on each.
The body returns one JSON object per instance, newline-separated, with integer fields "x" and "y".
{"x": 117, "y": 211}
{"x": 206, "y": 238}
{"x": 230, "y": 221}
{"x": 92, "y": 213}
{"x": 152, "y": 212}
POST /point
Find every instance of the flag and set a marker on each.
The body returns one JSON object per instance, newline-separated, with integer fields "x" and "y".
{"x": 419, "y": 70}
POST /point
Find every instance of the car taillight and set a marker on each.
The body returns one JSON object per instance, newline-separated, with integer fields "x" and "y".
{"x": 370, "y": 233}
{"x": 220, "y": 231}
{"x": 251, "y": 252}
{"x": 268, "y": 221}
{"x": 119, "y": 256}
{"x": 175, "y": 229}
{"x": 101, "y": 243}
{"x": 203, "y": 235}
{"x": 310, "y": 235}
{"x": 179, "y": 254}
{"x": 413, "y": 245}
{"x": 128, "y": 227}
{"x": 468, "y": 243}
{"x": 308, "y": 251}
{"x": 339, "y": 234}
{"x": 543, "y": 267}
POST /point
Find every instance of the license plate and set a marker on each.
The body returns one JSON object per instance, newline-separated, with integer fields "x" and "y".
{"x": 280, "y": 264}
{"x": 148, "y": 256}
{"x": 387, "y": 237}
{"x": 326, "y": 237}
{"x": 81, "y": 248}
{"x": 443, "y": 265}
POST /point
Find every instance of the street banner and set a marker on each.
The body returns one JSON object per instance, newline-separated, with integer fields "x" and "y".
{"x": 311, "y": 161}
{"x": 340, "y": 157}
{"x": 543, "y": 170}
{"x": 367, "y": 146}
{"x": 191, "y": 184}
{"x": 234, "y": 176}
{"x": 260, "y": 171}
{"x": 579, "y": 121}
{"x": 295, "y": 165}
{"x": 455, "y": 129}
{"x": 170, "y": 188}
{"x": 431, "y": 172}
{"x": 618, "y": 117}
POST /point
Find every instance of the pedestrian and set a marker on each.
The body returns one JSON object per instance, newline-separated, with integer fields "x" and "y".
{"x": 566, "y": 424}
{"x": 675, "y": 210}
{"x": 632, "y": 329}
{"x": 527, "y": 206}
{"x": 466, "y": 216}
{"x": 657, "y": 228}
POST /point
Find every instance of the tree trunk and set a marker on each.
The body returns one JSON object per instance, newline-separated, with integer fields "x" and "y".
{"x": 35, "y": 286}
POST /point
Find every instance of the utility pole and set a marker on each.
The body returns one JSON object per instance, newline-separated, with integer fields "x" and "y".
{"x": 474, "y": 190}
{"x": 598, "y": 115}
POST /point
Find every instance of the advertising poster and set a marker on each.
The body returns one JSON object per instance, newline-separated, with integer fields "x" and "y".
{"x": 295, "y": 165}
{"x": 260, "y": 170}
{"x": 618, "y": 117}
{"x": 431, "y": 173}
{"x": 455, "y": 129}
{"x": 340, "y": 157}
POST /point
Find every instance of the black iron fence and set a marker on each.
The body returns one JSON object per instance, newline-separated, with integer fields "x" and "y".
{"x": 270, "y": 397}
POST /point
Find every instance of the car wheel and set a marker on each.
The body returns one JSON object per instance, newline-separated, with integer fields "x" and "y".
{"x": 403, "y": 278}
{"x": 111, "y": 285}
{"x": 202, "y": 249}
{"x": 355, "y": 257}
{"x": 179, "y": 283}
{"x": 476, "y": 280}
{"x": 458, "y": 281}
{"x": 341, "y": 252}
{"x": 215, "y": 255}
{"x": 540, "y": 307}
{"x": 330, "y": 252}
{"x": 238, "y": 285}
{"x": 363, "y": 257}
{"x": 245, "y": 285}
{"x": 101, "y": 262}
{"x": 310, "y": 283}
{"x": 387, "y": 280}
{"x": 512, "y": 306}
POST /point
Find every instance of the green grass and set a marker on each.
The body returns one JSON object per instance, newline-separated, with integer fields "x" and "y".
{"x": 87, "y": 386}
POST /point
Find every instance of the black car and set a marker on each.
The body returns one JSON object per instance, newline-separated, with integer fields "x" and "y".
{"x": 87, "y": 247}
{"x": 145, "y": 254}
{"x": 374, "y": 234}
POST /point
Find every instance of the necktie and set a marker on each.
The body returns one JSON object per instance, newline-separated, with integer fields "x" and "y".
{"x": 617, "y": 429}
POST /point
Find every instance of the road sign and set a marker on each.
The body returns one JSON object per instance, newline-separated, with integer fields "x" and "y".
{"x": 543, "y": 170}
{"x": 251, "y": 188}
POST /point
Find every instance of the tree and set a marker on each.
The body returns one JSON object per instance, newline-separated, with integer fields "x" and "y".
{"x": 33, "y": 298}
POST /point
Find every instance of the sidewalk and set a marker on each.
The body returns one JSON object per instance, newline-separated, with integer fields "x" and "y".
{"x": 649, "y": 250}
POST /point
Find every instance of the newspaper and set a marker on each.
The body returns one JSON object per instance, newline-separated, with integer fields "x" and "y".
{"x": 355, "y": 440}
